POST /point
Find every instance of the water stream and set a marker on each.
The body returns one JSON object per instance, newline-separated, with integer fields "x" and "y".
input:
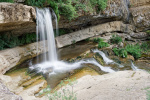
{"x": 106, "y": 59}
{"x": 51, "y": 64}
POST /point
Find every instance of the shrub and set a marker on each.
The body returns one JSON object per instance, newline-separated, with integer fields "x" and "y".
{"x": 115, "y": 39}
{"x": 102, "y": 44}
{"x": 97, "y": 40}
{"x": 10, "y": 41}
{"x": 134, "y": 50}
{"x": 120, "y": 52}
{"x": 69, "y": 8}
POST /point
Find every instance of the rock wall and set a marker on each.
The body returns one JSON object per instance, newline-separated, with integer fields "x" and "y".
{"x": 15, "y": 56}
{"x": 20, "y": 19}
{"x": 116, "y": 26}
{"x": 140, "y": 11}
{"x": 17, "y": 18}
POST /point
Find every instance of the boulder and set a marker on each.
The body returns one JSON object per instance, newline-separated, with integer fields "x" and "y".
{"x": 17, "y": 18}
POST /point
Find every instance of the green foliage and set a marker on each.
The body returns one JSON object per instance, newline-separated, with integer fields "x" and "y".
{"x": 120, "y": 52}
{"x": 68, "y": 11}
{"x": 148, "y": 32}
{"x": 97, "y": 40}
{"x": 115, "y": 39}
{"x": 102, "y": 44}
{"x": 69, "y": 8}
{"x": 148, "y": 95}
{"x": 145, "y": 46}
{"x": 11, "y": 1}
{"x": 64, "y": 94}
{"x": 134, "y": 50}
{"x": 100, "y": 4}
{"x": 10, "y": 41}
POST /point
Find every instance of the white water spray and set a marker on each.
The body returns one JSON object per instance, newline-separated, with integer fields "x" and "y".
{"x": 51, "y": 64}
{"x": 106, "y": 59}
{"x": 133, "y": 67}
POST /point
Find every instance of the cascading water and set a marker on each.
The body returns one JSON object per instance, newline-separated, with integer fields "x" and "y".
{"x": 106, "y": 59}
{"x": 45, "y": 32}
{"x": 51, "y": 64}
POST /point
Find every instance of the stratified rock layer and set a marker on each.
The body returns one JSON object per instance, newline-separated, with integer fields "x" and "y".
{"x": 12, "y": 57}
{"x": 17, "y": 18}
{"x": 115, "y": 26}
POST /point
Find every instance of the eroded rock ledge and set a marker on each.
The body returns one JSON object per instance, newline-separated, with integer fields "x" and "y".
{"x": 17, "y": 18}
{"x": 15, "y": 56}
{"x": 116, "y": 26}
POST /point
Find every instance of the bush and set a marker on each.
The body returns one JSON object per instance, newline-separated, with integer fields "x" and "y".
{"x": 102, "y": 44}
{"x": 97, "y": 40}
{"x": 115, "y": 39}
{"x": 134, "y": 50}
{"x": 69, "y": 8}
{"x": 120, "y": 52}
{"x": 10, "y": 41}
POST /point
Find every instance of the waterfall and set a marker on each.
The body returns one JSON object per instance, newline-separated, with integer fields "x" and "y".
{"x": 51, "y": 64}
{"x": 45, "y": 32}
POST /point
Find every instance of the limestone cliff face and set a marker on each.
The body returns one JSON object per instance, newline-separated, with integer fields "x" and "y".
{"x": 136, "y": 12}
{"x": 20, "y": 19}
{"x": 140, "y": 10}
{"x": 17, "y": 18}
